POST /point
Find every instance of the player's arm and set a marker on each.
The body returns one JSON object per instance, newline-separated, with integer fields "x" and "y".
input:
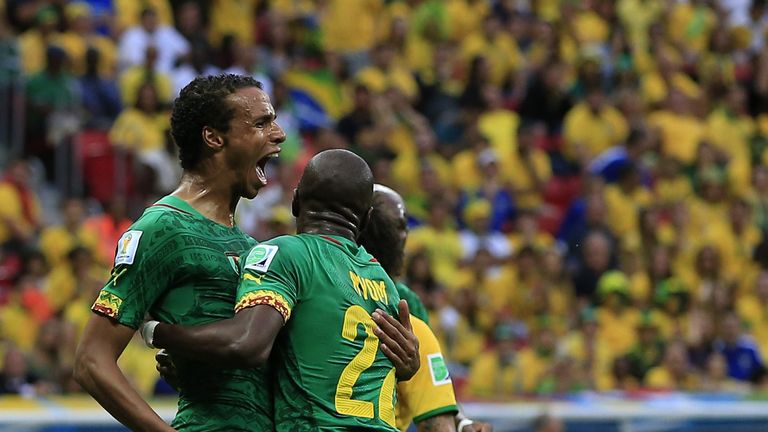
{"x": 140, "y": 277}
{"x": 243, "y": 341}
{"x": 268, "y": 290}
{"x": 96, "y": 370}
{"x": 464, "y": 424}
{"x": 440, "y": 423}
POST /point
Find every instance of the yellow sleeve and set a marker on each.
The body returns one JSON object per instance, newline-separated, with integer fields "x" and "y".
{"x": 430, "y": 392}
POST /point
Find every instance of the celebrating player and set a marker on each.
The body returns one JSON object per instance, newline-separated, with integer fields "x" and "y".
{"x": 427, "y": 399}
{"x": 328, "y": 295}
{"x": 178, "y": 262}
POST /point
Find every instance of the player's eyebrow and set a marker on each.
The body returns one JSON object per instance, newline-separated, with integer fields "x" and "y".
{"x": 265, "y": 117}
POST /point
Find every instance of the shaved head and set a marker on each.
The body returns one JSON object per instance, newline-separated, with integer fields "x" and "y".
{"x": 384, "y": 237}
{"x": 336, "y": 187}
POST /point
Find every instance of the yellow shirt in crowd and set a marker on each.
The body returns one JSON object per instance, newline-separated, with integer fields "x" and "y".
{"x": 139, "y": 131}
{"x": 594, "y": 132}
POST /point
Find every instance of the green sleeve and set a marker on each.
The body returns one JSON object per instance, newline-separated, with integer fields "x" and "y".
{"x": 142, "y": 272}
{"x": 415, "y": 305}
{"x": 271, "y": 276}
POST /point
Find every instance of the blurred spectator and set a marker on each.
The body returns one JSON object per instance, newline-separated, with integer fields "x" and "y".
{"x": 528, "y": 168}
{"x": 57, "y": 240}
{"x": 716, "y": 378}
{"x": 675, "y": 372}
{"x": 739, "y": 350}
{"x": 34, "y": 42}
{"x": 497, "y": 46}
{"x": 108, "y": 228}
{"x": 546, "y": 99}
{"x": 142, "y": 130}
{"x": 193, "y": 65}
{"x": 145, "y": 73}
{"x": 128, "y": 13}
{"x": 99, "y": 94}
{"x": 232, "y": 17}
{"x": 592, "y": 127}
{"x": 20, "y": 213}
{"x": 240, "y": 59}
{"x": 589, "y": 350}
{"x": 384, "y": 73}
{"x": 52, "y": 107}
{"x": 79, "y": 274}
{"x": 497, "y": 373}
{"x": 478, "y": 234}
{"x": 11, "y": 263}
{"x": 493, "y": 189}
{"x": 678, "y": 127}
{"x": 151, "y": 32}
{"x": 751, "y": 307}
{"x": 596, "y": 258}
{"x": 616, "y": 316}
{"x": 648, "y": 352}
{"x": 53, "y": 354}
{"x": 80, "y": 37}
{"x": 189, "y": 21}
{"x": 439, "y": 239}
{"x": 15, "y": 377}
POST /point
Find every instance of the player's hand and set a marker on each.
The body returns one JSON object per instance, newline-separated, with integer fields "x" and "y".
{"x": 398, "y": 342}
{"x": 167, "y": 369}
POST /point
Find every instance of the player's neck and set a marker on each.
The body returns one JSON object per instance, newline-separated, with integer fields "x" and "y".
{"x": 209, "y": 196}
{"x": 326, "y": 223}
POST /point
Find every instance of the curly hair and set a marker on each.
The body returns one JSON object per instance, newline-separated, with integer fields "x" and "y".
{"x": 203, "y": 103}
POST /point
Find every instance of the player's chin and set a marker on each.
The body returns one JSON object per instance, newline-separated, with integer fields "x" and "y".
{"x": 251, "y": 191}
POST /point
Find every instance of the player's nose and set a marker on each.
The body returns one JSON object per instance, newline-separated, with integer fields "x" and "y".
{"x": 278, "y": 134}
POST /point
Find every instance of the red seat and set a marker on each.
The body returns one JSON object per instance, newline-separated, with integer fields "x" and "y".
{"x": 99, "y": 162}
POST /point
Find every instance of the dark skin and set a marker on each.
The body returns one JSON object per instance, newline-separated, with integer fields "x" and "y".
{"x": 333, "y": 198}
{"x": 213, "y": 188}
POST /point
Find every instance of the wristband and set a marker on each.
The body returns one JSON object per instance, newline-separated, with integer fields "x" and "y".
{"x": 464, "y": 423}
{"x": 148, "y": 332}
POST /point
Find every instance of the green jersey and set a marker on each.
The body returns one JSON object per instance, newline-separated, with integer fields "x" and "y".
{"x": 415, "y": 305}
{"x": 330, "y": 373}
{"x": 182, "y": 268}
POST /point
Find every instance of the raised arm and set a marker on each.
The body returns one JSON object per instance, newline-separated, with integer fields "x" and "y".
{"x": 243, "y": 341}
{"x": 96, "y": 370}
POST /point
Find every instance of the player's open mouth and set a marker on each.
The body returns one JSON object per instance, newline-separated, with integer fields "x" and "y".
{"x": 262, "y": 163}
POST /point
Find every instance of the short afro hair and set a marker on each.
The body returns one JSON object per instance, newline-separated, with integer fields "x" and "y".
{"x": 203, "y": 103}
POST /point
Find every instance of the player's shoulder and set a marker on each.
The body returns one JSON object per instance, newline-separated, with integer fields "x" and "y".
{"x": 158, "y": 218}
{"x": 286, "y": 249}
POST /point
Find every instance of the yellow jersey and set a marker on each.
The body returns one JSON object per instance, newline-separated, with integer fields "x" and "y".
{"x": 430, "y": 392}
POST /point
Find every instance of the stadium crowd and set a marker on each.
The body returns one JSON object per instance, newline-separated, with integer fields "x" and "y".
{"x": 586, "y": 181}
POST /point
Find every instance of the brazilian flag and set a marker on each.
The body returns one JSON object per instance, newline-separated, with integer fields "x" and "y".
{"x": 316, "y": 96}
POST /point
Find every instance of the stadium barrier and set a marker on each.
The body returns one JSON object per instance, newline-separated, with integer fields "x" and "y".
{"x": 594, "y": 413}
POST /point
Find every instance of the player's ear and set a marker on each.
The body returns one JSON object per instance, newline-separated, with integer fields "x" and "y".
{"x": 212, "y": 138}
{"x": 295, "y": 206}
{"x": 366, "y": 219}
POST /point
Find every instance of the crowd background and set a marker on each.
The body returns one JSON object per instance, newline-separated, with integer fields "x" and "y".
{"x": 586, "y": 181}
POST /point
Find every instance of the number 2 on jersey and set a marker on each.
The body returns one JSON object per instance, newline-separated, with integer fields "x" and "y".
{"x": 355, "y": 316}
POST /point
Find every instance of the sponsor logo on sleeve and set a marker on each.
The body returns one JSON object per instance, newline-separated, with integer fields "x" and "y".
{"x": 127, "y": 247}
{"x": 107, "y": 304}
{"x": 261, "y": 257}
{"x": 438, "y": 369}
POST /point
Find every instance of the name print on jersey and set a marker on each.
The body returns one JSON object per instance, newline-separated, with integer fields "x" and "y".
{"x": 367, "y": 288}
